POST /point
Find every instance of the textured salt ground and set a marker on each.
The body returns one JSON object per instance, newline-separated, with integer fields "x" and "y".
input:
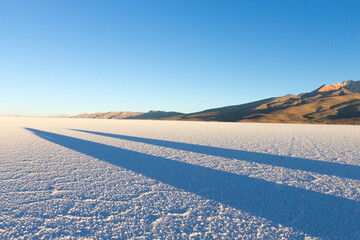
{"x": 82, "y": 178}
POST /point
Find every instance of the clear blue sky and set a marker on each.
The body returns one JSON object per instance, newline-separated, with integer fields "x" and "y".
{"x": 70, "y": 57}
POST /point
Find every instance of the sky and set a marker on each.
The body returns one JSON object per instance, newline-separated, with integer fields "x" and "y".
{"x": 71, "y": 57}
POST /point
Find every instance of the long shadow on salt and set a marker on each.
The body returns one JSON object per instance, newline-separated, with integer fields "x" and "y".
{"x": 328, "y": 168}
{"x": 311, "y": 212}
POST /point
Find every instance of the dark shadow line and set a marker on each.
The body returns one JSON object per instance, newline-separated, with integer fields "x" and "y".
{"x": 311, "y": 212}
{"x": 322, "y": 167}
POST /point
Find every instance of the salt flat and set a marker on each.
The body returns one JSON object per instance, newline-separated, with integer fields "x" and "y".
{"x": 142, "y": 179}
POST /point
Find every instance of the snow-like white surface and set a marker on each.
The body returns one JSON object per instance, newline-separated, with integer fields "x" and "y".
{"x": 84, "y": 178}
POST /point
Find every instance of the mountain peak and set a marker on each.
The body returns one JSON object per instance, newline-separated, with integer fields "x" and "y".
{"x": 325, "y": 88}
{"x": 351, "y": 85}
{"x": 344, "y": 87}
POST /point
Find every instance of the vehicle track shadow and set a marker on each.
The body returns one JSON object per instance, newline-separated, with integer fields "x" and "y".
{"x": 311, "y": 212}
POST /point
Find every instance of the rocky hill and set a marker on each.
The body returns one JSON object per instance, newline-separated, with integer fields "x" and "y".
{"x": 338, "y": 104}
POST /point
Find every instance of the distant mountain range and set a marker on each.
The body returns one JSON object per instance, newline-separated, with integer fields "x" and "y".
{"x": 129, "y": 115}
{"x": 337, "y": 104}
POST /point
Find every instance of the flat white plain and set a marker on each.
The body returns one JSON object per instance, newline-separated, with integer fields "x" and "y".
{"x": 142, "y": 179}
